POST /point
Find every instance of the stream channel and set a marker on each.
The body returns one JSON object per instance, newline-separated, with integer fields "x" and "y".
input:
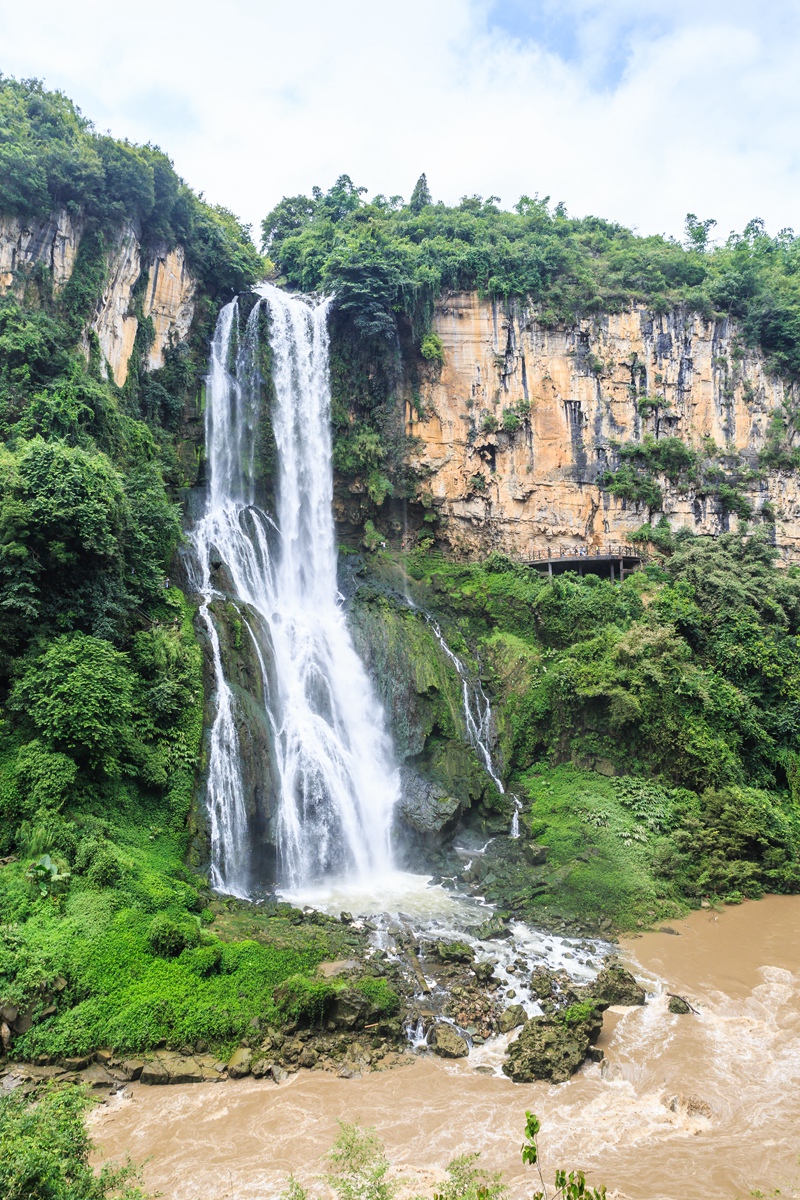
{"x": 695, "y": 1107}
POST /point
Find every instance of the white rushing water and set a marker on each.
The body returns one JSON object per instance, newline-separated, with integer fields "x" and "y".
{"x": 336, "y": 780}
{"x": 479, "y": 721}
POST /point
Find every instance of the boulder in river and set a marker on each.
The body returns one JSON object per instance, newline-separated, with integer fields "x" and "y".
{"x": 678, "y": 1005}
{"x": 511, "y": 1018}
{"x": 615, "y": 985}
{"x": 239, "y": 1063}
{"x": 454, "y": 952}
{"x": 553, "y": 1047}
{"x": 447, "y": 1042}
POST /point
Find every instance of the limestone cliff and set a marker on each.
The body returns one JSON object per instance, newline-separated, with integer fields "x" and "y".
{"x": 53, "y": 242}
{"x": 168, "y": 297}
{"x": 582, "y": 391}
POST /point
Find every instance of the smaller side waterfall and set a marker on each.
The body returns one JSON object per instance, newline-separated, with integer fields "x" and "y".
{"x": 479, "y": 721}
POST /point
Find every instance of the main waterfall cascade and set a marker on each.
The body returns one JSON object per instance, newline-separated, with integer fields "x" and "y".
{"x": 336, "y": 780}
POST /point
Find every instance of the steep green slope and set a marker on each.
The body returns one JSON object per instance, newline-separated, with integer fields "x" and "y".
{"x": 649, "y": 728}
{"x": 104, "y": 930}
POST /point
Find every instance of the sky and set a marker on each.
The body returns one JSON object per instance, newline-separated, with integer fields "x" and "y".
{"x": 635, "y": 110}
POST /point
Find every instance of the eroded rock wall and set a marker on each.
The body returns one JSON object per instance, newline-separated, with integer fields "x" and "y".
{"x": 53, "y": 242}
{"x": 169, "y": 294}
{"x": 168, "y": 301}
{"x": 537, "y": 489}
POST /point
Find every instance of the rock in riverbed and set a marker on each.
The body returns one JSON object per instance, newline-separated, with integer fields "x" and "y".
{"x": 615, "y": 985}
{"x": 511, "y": 1018}
{"x": 447, "y": 1042}
{"x": 553, "y": 1047}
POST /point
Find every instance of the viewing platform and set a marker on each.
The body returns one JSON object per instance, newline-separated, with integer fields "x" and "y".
{"x": 614, "y": 561}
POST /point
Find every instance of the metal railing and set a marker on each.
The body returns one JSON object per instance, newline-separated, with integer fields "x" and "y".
{"x": 556, "y": 553}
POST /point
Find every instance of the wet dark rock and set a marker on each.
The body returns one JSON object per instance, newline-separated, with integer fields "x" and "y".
{"x": 484, "y": 971}
{"x": 615, "y": 985}
{"x": 454, "y": 952}
{"x": 350, "y": 1009}
{"x": 493, "y": 928}
{"x": 678, "y": 1006}
{"x": 553, "y": 1047}
{"x": 511, "y": 1018}
{"x": 447, "y": 1042}
{"x": 240, "y": 1062}
{"x": 425, "y": 805}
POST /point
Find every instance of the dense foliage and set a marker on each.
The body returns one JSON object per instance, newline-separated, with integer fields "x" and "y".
{"x": 683, "y": 681}
{"x": 383, "y": 258}
{"x": 50, "y": 158}
{"x": 45, "y": 1148}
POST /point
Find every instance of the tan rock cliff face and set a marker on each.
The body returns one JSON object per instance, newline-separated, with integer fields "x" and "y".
{"x": 536, "y": 489}
{"x": 113, "y": 320}
{"x": 168, "y": 301}
{"x": 169, "y": 296}
{"x": 53, "y": 242}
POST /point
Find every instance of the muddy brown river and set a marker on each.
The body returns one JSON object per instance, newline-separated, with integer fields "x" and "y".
{"x": 698, "y": 1107}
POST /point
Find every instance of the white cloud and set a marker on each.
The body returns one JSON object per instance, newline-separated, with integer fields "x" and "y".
{"x": 258, "y": 98}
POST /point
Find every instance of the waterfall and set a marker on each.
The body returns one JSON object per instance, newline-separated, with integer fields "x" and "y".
{"x": 336, "y": 778}
{"x": 479, "y": 722}
{"x": 477, "y": 710}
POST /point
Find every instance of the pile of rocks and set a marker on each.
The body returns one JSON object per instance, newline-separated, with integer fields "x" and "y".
{"x": 556, "y": 1044}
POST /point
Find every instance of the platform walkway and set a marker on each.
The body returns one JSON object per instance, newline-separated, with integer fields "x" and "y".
{"x": 619, "y": 560}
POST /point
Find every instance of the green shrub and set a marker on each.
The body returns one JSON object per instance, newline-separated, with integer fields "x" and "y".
{"x": 46, "y": 1147}
{"x": 78, "y": 695}
{"x": 303, "y": 999}
{"x": 431, "y": 348}
{"x": 169, "y": 936}
{"x": 383, "y": 999}
{"x": 45, "y": 778}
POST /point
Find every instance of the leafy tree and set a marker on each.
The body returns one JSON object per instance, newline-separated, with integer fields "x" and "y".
{"x": 45, "y": 1148}
{"x": 697, "y": 232}
{"x": 78, "y": 696}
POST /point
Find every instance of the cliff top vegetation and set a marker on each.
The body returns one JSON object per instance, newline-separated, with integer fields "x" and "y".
{"x": 383, "y": 257}
{"x": 51, "y": 157}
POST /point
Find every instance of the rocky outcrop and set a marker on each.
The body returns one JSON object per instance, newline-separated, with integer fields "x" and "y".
{"x": 425, "y": 805}
{"x": 169, "y": 296}
{"x": 615, "y": 985}
{"x": 114, "y": 322}
{"x": 52, "y": 242}
{"x": 553, "y": 1047}
{"x": 528, "y": 482}
{"x": 422, "y": 697}
{"x": 168, "y": 302}
{"x": 238, "y": 628}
